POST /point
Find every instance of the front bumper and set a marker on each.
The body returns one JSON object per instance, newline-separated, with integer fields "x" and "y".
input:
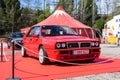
{"x": 67, "y": 55}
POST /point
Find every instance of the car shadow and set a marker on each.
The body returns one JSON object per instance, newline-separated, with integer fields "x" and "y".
{"x": 78, "y": 63}
{"x": 84, "y": 63}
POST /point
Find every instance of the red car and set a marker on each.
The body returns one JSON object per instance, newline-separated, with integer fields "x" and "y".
{"x": 50, "y": 43}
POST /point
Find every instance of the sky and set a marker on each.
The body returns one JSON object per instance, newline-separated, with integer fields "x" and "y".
{"x": 40, "y": 4}
{"x": 36, "y": 3}
{"x": 102, "y": 4}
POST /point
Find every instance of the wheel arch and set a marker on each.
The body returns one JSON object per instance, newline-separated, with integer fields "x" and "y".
{"x": 43, "y": 48}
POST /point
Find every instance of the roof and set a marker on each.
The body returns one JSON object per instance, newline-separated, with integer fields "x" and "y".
{"x": 60, "y": 17}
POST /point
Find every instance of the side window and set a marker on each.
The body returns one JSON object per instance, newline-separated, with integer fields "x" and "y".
{"x": 34, "y": 30}
{"x": 31, "y": 32}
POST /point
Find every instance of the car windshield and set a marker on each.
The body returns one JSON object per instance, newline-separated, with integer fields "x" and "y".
{"x": 17, "y": 35}
{"x": 57, "y": 31}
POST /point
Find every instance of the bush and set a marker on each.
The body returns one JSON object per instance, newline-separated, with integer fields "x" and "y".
{"x": 99, "y": 24}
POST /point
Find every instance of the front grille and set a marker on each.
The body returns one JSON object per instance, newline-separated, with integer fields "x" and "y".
{"x": 73, "y": 45}
{"x": 84, "y": 44}
{"x": 78, "y": 44}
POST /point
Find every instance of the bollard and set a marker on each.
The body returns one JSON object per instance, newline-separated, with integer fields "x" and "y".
{"x": 1, "y": 51}
{"x": 13, "y": 78}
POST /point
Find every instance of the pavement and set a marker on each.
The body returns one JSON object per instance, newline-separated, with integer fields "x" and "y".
{"x": 108, "y": 50}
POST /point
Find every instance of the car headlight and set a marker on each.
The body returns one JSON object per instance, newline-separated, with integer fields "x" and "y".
{"x": 94, "y": 44}
{"x": 58, "y": 45}
{"x": 61, "y": 45}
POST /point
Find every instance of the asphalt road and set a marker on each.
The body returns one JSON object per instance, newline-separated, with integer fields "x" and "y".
{"x": 108, "y": 50}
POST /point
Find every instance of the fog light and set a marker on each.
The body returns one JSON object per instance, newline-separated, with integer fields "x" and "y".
{"x": 56, "y": 52}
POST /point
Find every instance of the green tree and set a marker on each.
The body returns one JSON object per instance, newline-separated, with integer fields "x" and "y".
{"x": 47, "y": 11}
{"x": 99, "y": 24}
{"x": 2, "y": 6}
{"x": 85, "y": 11}
{"x": 40, "y": 18}
{"x": 13, "y": 13}
{"x": 2, "y": 17}
{"x": 27, "y": 16}
{"x": 44, "y": 14}
{"x": 81, "y": 10}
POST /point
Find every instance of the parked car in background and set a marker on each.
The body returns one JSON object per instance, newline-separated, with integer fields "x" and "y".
{"x": 51, "y": 43}
{"x": 15, "y": 36}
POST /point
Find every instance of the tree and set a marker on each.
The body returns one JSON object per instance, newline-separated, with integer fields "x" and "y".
{"x": 40, "y": 18}
{"x": 13, "y": 13}
{"x": 99, "y": 24}
{"x": 2, "y": 17}
{"x": 2, "y": 6}
{"x": 68, "y": 6}
{"x": 27, "y": 17}
{"x": 81, "y": 10}
{"x": 86, "y": 11}
{"x": 44, "y": 14}
{"x": 116, "y": 7}
{"x": 47, "y": 11}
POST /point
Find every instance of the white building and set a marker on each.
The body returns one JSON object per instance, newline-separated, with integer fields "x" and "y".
{"x": 112, "y": 27}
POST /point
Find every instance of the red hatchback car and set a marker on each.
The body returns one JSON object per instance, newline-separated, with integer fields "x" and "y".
{"x": 51, "y": 43}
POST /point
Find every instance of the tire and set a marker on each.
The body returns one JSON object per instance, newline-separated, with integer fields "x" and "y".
{"x": 42, "y": 56}
{"x": 23, "y": 52}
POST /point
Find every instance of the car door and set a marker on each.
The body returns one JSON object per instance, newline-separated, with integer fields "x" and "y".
{"x": 28, "y": 41}
{"x": 35, "y": 40}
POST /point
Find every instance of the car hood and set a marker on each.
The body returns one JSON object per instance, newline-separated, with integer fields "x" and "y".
{"x": 68, "y": 38}
{"x": 51, "y": 41}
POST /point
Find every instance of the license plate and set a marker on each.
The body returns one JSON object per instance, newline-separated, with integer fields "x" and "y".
{"x": 75, "y": 52}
